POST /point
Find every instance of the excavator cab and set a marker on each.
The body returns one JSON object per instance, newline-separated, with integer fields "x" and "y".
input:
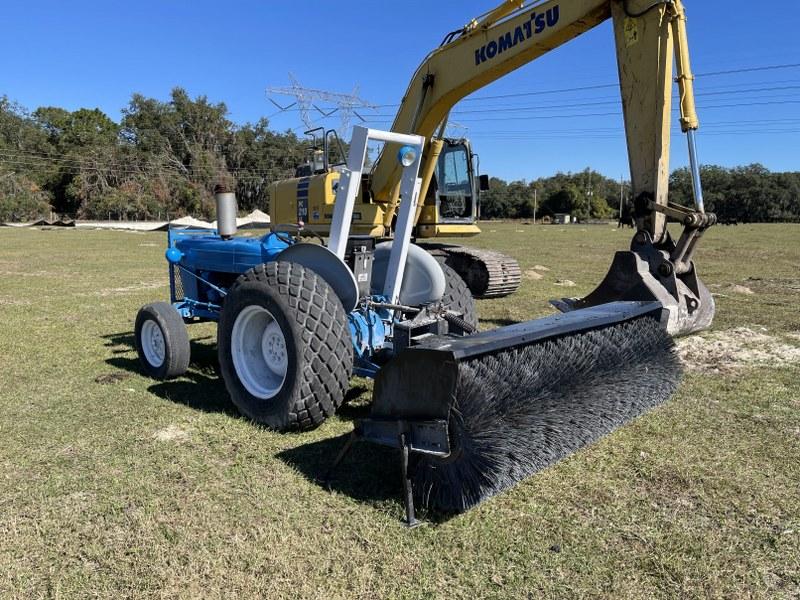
{"x": 451, "y": 208}
{"x": 451, "y": 204}
{"x": 456, "y": 196}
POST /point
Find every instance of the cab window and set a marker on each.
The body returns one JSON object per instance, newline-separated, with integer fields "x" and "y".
{"x": 453, "y": 170}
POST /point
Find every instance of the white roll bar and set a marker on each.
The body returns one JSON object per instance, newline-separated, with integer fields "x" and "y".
{"x": 349, "y": 185}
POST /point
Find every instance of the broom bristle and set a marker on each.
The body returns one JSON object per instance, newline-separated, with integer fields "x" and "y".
{"x": 521, "y": 410}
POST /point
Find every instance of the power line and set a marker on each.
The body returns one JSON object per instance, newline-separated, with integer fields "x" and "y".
{"x": 616, "y": 101}
{"x": 91, "y": 164}
{"x": 717, "y": 125}
{"x": 750, "y": 70}
{"x": 595, "y": 87}
{"x": 619, "y": 113}
{"x": 614, "y": 85}
{"x": 534, "y": 136}
{"x": 29, "y": 164}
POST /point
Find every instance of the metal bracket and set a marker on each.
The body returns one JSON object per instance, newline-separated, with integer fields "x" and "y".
{"x": 217, "y": 289}
{"x": 695, "y": 224}
{"x": 682, "y": 214}
{"x": 422, "y": 437}
{"x": 349, "y": 185}
{"x": 408, "y": 490}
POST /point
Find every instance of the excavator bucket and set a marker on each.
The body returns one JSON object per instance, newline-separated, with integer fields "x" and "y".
{"x": 477, "y": 414}
{"x": 661, "y": 273}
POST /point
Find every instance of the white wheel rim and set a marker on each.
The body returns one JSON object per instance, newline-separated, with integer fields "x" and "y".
{"x": 153, "y": 345}
{"x": 258, "y": 349}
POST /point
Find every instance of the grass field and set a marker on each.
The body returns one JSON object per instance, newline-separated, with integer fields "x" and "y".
{"x": 114, "y": 485}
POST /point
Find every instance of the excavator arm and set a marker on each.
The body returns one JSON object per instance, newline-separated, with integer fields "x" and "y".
{"x": 648, "y": 35}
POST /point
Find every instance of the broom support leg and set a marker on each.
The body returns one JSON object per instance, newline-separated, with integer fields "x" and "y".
{"x": 408, "y": 492}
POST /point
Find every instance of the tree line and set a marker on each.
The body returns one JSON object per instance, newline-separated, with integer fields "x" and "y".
{"x": 164, "y": 158}
{"x": 748, "y": 194}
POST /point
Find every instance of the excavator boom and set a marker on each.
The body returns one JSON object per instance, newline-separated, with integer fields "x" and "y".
{"x": 648, "y": 34}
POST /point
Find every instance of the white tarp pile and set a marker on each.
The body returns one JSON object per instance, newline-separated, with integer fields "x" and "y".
{"x": 189, "y": 223}
{"x": 255, "y": 220}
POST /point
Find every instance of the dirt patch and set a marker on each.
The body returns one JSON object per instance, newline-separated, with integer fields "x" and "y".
{"x": 742, "y": 289}
{"x": 171, "y": 433}
{"x": 107, "y": 378}
{"x": 38, "y": 274}
{"x": 540, "y": 268}
{"x": 153, "y": 285}
{"x": 11, "y": 301}
{"x": 725, "y": 351}
{"x": 780, "y": 285}
{"x": 531, "y": 274}
{"x": 565, "y": 283}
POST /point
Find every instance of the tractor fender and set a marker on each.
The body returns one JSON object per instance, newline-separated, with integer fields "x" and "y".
{"x": 423, "y": 279}
{"x": 328, "y": 266}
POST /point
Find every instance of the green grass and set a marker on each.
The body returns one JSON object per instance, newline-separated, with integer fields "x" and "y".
{"x": 130, "y": 487}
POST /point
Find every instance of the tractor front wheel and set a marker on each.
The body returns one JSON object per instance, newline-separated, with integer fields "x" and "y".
{"x": 284, "y": 346}
{"x": 162, "y": 341}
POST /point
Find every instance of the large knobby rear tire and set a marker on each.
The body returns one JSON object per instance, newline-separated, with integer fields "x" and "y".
{"x": 162, "y": 341}
{"x": 457, "y": 296}
{"x": 284, "y": 346}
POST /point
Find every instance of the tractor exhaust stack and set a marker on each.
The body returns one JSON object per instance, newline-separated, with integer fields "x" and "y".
{"x": 226, "y": 212}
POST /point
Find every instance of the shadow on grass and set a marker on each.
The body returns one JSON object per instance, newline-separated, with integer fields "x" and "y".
{"x": 362, "y": 474}
{"x": 499, "y": 322}
{"x": 201, "y": 388}
{"x": 122, "y": 343}
{"x": 369, "y": 473}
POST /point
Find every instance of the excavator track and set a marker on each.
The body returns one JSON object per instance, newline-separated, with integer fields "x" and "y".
{"x": 488, "y": 274}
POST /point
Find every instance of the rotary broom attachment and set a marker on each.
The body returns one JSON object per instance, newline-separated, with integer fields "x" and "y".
{"x": 473, "y": 416}
{"x": 519, "y": 411}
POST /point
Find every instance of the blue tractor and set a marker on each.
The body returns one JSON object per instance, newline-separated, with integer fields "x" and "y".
{"x": 471, "y": 413}
{"x": 297, "y": 319}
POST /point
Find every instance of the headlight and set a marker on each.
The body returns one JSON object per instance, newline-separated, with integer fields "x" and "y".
{"x": 407, "y": 155}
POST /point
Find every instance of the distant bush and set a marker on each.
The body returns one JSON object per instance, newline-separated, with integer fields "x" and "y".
{"x": 21, "y": 199}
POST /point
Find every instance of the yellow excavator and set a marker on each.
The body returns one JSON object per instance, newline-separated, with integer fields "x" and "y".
{"x": 475, "y": 414}
{"x": 450, "y": 207}
{"x": 484, "y": 50}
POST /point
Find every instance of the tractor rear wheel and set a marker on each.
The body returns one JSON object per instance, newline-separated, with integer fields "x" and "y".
{"x": 162, "y": 341}
{"x": 284, "y": 346}
{"x": 457, "y": 296}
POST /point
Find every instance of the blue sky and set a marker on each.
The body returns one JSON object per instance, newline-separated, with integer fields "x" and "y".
{"x": 95, "y": 54}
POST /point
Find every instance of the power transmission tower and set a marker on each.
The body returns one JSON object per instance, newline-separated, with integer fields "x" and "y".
{"x": 306, "y": 100}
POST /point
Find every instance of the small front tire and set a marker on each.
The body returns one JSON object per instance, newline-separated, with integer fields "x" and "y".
{"x": 162, "y": 341}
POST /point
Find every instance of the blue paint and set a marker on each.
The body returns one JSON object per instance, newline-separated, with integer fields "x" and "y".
{"x": 369, "y": 332}
{"x": 236, "y": 255}
{"x": 173, "y": 255}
